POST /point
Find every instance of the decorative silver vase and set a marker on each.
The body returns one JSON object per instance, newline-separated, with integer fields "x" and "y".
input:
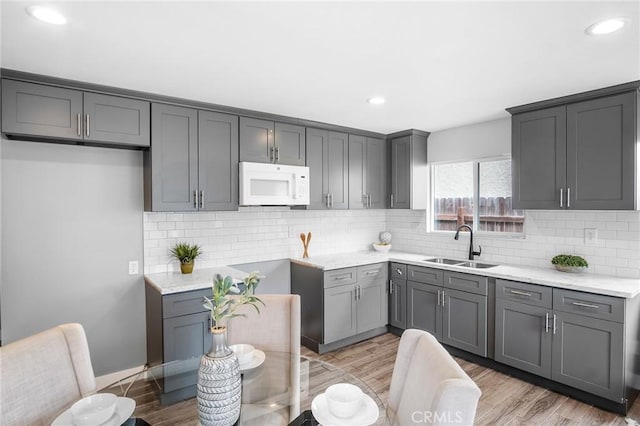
{"x": 219, "y": 383}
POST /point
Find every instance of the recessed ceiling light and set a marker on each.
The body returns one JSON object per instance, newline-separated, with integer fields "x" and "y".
{"x": 376, "y": 100}
{"x": 47, "y": 15}
{"x": 607, "y": 26}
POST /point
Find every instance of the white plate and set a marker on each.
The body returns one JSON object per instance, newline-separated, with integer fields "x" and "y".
{"x": 124, "y": 410}
{"x": 366, "y": 415}
{"x": 256, "y": 361}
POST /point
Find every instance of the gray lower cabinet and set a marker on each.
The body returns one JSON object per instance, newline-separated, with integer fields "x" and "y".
{"x": 409, "y": 172}
{"x": 586, "y": 148}
{"x": 193, "y": 161}
{"x": 264, "y": 141}
{"x": 327, "y": 158}
{"x": 398, "y": 303}
{"x": 576, "y": 338}
{"x": 452, "y": 306}
{"x": 367, "y": 172}
{"x": 49, "y": 112}
{"x": 341, "y": 306}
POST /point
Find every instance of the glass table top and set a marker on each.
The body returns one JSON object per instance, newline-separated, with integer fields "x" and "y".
{"x": 280, "y": 391}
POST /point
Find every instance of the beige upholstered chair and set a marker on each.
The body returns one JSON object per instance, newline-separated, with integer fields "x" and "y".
{"x": 42, "y": 374}
{"x": 428, "y": 386}
{"x": 275, "y": 329}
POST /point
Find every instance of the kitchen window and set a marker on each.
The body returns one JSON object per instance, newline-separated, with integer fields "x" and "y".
{"x": 476, "y": 193}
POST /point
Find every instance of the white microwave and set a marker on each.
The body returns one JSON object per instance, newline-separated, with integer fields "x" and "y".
{"x": 263, "y": 184}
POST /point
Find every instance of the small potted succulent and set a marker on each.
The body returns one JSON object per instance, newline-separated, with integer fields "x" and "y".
{"x": 186, "y": 254}
{"x": 569, "y": 263}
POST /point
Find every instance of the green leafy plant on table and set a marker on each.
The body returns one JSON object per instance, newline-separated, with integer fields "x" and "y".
{"x": 223, "y": 307}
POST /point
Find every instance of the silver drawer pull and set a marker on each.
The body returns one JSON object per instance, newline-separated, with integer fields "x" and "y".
{"x": 585, "y": 305}
{"x": 398, "y": 271}
{"x": 520, "y": 293}
{"x": 372, "y": 273}
{"x": 343, "y": 277}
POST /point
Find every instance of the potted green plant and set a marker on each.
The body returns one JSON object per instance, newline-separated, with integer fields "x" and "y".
{"x": 219, "y": 373}
{"x": 186, "y": 254}
{"x": 569, "y": 263}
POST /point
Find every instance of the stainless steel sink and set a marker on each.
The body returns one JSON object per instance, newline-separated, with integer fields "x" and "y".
{"x": 444, "y": 261}
{"x": 477, "y": 265}
{"x": 463, "y": 263}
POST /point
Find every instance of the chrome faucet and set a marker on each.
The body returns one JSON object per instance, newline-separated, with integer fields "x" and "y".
{"x": 471, "y": 252}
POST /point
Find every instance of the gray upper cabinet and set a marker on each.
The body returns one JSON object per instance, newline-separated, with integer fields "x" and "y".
{"x": 263, "y": 141}
{"x": 327, "y": 158}
{"x": 367, "y": 172}
{"x": 579, "y": 154}
{"x": 49, "y": 112}
{"x": 409, "y": 171}
{"x": 193, "y": 161}
{"x": 217, "y": 161}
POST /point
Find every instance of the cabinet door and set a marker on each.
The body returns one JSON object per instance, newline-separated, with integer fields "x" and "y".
{"x": 174, "y": 158}
{"x": 398, "y": 303}
{"x": 290, "y": 144}
{"x": 317, "y": 161}
{"x": 523, "y": 337}
{"x": 601, "y": 153}
{"x": 376, "y": 174}
{"x": 423, "y": 308}
{"x": 337, "y": 170}
{"x": 357, "y": 171}
{"x": 465, "y": 321}
{"x": 538, "y": 149}
{"x": 116, "y": 120}
{"x": 185, "y": 337}
{"x": 36, "y": 109}
{"x": 340, "y": 313}
{"x": 373, "y": 305}
{"x": 400, "y": 173}
{"x": 217, "y": 161}
{"x": 256, "y": 140}
{"x": 588, "y": 355}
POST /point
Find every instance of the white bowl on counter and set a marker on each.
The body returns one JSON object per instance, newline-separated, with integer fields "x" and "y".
{"x": 381, "y": 247}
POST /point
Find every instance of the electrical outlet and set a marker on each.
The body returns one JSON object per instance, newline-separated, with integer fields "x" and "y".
{"x": 590, "y": 236}
{"x": 133, "y": 267}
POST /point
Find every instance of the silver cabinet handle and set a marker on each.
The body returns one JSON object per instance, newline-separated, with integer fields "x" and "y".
{"x": 271, "y": 156}
{"x": 369, "y": 200}
{"x": 585, "y": 305}
{"x": 554, "y": 323}
{"x": 277, "y": 153}
{"x": 390, "y": 286}
{"x": 341, "y": 277}
{"x": 391, "y": 200}
{"x": 438, "y": 302}
{"x": 79, "y": 125}
{"x": 330, "y": 200}
{"x": 546, "y": 322}
{"x": 520, "y": 293}
{"x": 202, "y": 199}
{"x": 399, "y": 271}
{"x": 369, "y": 273}
{"x": 327, "y": 202}
{"x": 87, "y": 131}
{"x": 195, "y": 199}
{"x": 568, "y": 197}
{"x": 561, "y": 197}
{"x": 443, "y": 299}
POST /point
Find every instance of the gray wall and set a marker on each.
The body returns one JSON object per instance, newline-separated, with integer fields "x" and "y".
{"x": 71, "y": 221}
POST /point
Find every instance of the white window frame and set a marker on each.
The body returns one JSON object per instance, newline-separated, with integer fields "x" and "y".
{"x": 476, "y": 196}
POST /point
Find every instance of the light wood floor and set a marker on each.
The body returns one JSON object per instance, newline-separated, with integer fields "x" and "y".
{"x": 505, "y": 400}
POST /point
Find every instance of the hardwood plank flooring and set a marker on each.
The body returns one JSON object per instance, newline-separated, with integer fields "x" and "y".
{"x": 505, "y": 400}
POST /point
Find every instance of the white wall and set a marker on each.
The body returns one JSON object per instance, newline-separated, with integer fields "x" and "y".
{"x": 71, "y": 221}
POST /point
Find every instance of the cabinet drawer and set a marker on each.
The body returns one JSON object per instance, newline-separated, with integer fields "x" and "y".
{"x": 426, "y": 275}
{"x": 372, "y": 272}
{"x": 340, "y": 277}
{"x": 466, "y": 282}
{"x": 190, "y": 302}
{"x": 588, "y": 304}
{"x": 398, "y": 270}
{"x": 531, "y": 294}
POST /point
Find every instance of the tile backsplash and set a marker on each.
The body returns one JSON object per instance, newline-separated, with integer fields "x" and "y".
{"x": 254, "y": 234}
{"x": 547, "y": 233}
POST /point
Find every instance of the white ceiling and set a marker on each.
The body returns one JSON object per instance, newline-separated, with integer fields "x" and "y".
{"x": 439, "y": 64}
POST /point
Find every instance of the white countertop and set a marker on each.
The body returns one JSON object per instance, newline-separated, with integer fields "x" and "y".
{"x": 176, "y": 282}
{"x": 591, "y": 283}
